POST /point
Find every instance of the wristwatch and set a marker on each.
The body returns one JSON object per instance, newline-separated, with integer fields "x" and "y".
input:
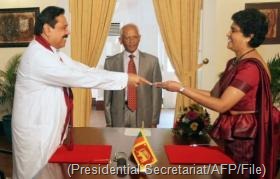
{"x": 181, "y": 89}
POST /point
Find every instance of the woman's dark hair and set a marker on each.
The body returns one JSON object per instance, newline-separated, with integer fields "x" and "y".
{"x": 252, "y": 21}
{"x": 47, "y": 16}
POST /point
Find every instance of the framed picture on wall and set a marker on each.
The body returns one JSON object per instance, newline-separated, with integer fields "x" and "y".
{"x": 272, "y": 11}
{"x": 17, "y": 26}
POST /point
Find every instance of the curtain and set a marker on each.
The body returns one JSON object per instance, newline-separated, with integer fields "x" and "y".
{"x": 179, "y": 22}
{"x": 90, "y": 23}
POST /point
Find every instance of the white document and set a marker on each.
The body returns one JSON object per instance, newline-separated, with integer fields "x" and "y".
{"x": 135, "y": 131}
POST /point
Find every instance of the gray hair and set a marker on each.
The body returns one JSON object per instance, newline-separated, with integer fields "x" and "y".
{"x": 129, "y": 25}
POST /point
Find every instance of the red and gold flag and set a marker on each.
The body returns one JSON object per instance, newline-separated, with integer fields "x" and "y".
{"x": 142, "y": 151}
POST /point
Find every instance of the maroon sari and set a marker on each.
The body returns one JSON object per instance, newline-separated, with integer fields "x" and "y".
{"x": 257, "y": 134}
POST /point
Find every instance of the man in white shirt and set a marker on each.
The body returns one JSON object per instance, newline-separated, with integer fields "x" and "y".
{"x": 40, "y": 105}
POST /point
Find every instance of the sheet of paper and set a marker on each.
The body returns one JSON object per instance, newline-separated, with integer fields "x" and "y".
{"x": 135, "y": 131}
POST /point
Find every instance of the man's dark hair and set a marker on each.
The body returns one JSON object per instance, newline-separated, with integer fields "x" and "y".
{"x": 47, "y": 16}
{"x": 252, "y": 21}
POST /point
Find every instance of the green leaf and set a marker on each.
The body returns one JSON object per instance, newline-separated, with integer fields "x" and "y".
{"x": 7, "y": 83}
{"x": 274, "y": 67}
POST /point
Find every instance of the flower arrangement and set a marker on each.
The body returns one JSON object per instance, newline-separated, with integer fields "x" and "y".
{"x": 192, "y": 121}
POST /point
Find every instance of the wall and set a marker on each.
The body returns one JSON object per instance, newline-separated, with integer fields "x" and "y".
{"x": 6, "y": 53}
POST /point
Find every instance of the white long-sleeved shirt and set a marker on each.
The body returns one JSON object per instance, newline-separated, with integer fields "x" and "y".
{"x": 39, "y": 109}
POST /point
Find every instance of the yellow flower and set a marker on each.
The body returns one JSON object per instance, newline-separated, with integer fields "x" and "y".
{"x": 194, "y": 126}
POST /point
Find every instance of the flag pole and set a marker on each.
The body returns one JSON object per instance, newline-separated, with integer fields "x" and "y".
{"x": 142, "y": 169}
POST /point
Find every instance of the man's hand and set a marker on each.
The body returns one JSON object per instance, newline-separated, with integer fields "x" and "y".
{"x": 137, "y": 80}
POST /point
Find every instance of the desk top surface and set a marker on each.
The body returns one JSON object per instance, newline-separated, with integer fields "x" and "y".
{"x": 123, "y": 143}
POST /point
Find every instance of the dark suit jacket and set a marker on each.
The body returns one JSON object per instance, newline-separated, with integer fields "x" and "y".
{"x": 149, "y": 98}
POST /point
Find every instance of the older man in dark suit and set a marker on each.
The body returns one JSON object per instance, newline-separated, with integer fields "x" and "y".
{"x": 129, "y": 107}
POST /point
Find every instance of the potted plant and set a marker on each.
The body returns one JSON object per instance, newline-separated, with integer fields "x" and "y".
{"x": 274, "y": 67}
{"x": 7, "y": 88}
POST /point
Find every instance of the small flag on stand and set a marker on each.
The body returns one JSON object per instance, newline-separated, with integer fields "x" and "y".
{"x": 142, "y": 152}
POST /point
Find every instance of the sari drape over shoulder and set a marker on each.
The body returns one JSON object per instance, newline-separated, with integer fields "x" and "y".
{"x": 261, "y": 126}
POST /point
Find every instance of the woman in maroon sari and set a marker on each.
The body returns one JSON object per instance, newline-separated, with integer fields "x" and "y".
{"x": 242, "y": 97}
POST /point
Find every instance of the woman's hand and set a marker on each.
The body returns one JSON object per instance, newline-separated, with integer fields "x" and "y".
{"x": 173, "y": 86}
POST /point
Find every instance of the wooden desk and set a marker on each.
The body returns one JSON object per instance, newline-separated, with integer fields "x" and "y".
{"x": 122, "y": 143}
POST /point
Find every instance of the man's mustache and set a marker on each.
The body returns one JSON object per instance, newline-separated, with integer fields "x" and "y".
{"x": 65, "y": 36}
